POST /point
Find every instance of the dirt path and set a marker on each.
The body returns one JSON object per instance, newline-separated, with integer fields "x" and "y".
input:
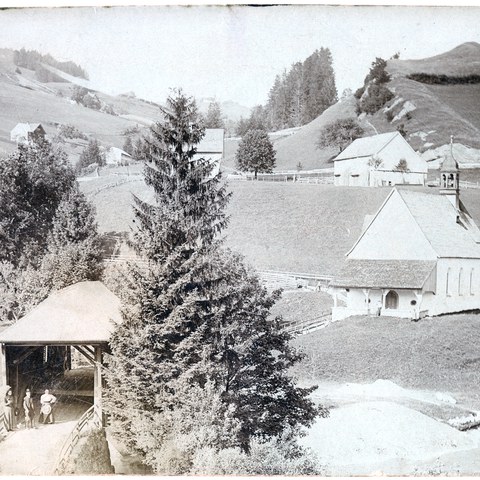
{"x": 33, "y": 451}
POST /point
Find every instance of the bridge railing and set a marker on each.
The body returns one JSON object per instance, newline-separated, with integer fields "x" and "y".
{"x": 88, "y": 419}
{"x": 3, "y": 430}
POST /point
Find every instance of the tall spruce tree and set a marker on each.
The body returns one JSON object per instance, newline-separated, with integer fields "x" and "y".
{"x": 196, "y": 356}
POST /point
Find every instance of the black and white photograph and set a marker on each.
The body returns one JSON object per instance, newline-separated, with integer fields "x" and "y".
{"x": 240, "y": 240}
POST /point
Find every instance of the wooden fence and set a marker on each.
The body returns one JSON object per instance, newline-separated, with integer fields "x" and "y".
{"x": 89, "y": 419}
{"x": 301, "y": 327}
{"x": 467, "y": 185}
{"x": 293, "y": 280}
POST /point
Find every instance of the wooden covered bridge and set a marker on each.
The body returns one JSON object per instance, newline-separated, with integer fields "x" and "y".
{"x": 59, "y": 346}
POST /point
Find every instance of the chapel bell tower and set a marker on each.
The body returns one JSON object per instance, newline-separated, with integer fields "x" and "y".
{"x": 449, "y": 178}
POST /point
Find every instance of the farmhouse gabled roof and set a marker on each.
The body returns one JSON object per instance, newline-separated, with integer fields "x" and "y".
{"x": 26, "y": 127}
{"x": 212, "y": 142}
{"x": 83, "y": 313}
{"x": 367, "y": 146}
{"x": 411, "y": 274}
{"x": 115, "y": 151}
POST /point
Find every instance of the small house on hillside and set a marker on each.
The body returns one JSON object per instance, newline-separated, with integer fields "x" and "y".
{"x": 419, "y": 256}
{"x": 385, "y": 159}
{"x": 27, "y": 132}
{"x": 211, "y": 147}
{"x": 117, "y": 156}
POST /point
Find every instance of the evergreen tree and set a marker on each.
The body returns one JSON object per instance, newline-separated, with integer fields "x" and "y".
{"x": 214, "y": 117}
{"x": 255, "y": 153}
{"x": 196, "y": 362}
{"x": 92, "y": 153}
{"x": 73, "y": 250}
{"x": 49, "y": 237}
{"x": 302, "y": 94}
{"x": 128, "y": 146}
{"x": 33, "y": 181}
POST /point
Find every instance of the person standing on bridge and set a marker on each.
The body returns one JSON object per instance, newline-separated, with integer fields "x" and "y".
{"x": 29, "y": 409}
{"x": 9, "y": 410}
{"x": 46, "y": 411}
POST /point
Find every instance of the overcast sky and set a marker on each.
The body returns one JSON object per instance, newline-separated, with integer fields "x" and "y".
{"x": 232, "y": 53}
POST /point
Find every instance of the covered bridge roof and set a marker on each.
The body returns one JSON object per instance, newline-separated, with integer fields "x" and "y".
{"x": 83, "y": 313}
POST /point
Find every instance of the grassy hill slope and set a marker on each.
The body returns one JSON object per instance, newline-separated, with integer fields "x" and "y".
{"x": 436, "y": 111}
{"x": 277, "y": 226}
{"x": 438, "y": 353}
{"x": 301, "y": 146}
{"x": 24, "y": 99}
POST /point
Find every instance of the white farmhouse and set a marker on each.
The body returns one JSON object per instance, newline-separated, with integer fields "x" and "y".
{"x": 419, "y": 256}
{"x": 211, "y": 148}
{"x": 117, "y": 156}
{"x": 24, "y": 133}
{"x": 385, "y": 159}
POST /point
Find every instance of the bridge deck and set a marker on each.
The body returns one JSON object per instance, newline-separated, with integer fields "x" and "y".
{"x": 35, "y": 451}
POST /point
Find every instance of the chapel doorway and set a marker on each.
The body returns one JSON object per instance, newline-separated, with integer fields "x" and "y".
{"x": 391, "y": 300}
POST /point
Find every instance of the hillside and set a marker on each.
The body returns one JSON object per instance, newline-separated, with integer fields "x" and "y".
{"x": 25, "y": 99}
{"x": 277, "y": 226}
{"x": 300, "y": 146}
{"x": 429, "y": 113}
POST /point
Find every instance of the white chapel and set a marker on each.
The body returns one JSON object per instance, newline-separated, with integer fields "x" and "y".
{"x": 419, "y": 256}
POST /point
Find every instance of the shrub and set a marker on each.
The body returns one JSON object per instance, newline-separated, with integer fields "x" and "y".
{"x": 358, "y": 93}
{"x": 91, "y": 456}
{"x": 377, "y": 96}
{"x": 70, "y": 131}
{"x": 264, "y": 458}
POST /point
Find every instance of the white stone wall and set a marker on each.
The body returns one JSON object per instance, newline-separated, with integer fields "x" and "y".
{"x": 463, "y": 290}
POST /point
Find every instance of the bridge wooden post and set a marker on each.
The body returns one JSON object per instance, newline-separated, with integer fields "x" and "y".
{"x": 3, "y": 365}
{"x": 97, "y": 383}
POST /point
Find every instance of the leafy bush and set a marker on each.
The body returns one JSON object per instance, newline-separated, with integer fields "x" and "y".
{"x": 358, "y": 93}
{"x": 339, "y": 133}
{"x": 376, "y": 97}
{"x": 89, "y": 99}
{"x": 274, "y": 457}
{"x": 70, "y": 131}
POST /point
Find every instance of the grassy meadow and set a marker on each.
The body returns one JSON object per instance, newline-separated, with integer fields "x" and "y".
{"x": 439, "y": 353}
{"x": 293, "y": 227}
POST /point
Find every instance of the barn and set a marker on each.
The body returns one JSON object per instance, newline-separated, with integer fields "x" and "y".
{"x": 379, "y": 160}
{"x": 27, "y": 132}
{"x": 418, "y": 256}
{"x": 211, "y": 148}
{"x": 117, "y": 156}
